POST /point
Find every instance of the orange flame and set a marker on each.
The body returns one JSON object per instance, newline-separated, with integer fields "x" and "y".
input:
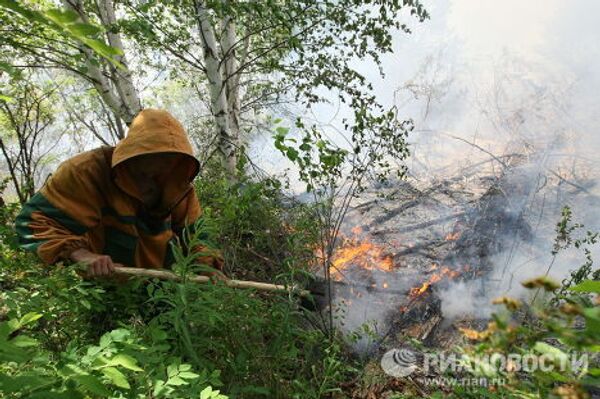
{"x": 452, "y": 236}
{"x": 365, "y": 255}
{"x": 444, "y": 272}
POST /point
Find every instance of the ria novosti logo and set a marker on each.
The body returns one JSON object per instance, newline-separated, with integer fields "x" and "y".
{"x": 403, "y": 362}
{"x": 399, "y": 362}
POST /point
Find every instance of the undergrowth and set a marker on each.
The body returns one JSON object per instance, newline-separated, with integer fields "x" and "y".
{"x": 64, "y": 337}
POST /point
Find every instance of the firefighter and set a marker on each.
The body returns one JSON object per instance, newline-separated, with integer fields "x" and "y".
{"x": 121, "y": 205}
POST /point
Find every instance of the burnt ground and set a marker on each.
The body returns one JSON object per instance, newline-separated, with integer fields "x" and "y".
{"x": 471, "y": 223}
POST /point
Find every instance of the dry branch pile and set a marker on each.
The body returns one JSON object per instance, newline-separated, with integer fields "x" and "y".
{"x": 466, "y": 227}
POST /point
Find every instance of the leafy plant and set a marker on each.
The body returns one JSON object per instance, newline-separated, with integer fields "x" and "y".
{"x": 564, "y": 327}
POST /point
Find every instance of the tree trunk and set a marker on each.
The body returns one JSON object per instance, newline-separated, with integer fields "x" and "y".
{"x": 117, "y": 92}
{"x": 121, "y": 77}
{"x": 231, "y": 75}
{"x": 217, "y": 89}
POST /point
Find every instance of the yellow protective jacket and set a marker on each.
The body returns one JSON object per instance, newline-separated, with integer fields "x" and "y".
{"x": 91, "y": 202}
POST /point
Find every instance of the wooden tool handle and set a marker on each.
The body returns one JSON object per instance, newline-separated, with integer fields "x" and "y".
{"x": 167, "y": 275}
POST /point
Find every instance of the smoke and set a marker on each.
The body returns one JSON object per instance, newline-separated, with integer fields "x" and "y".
{"x": 363, "y": 306}
{"x": 506, "y": 91}
{"x": 525, "y": 127}
{"x": 536, "y": 200}
{"x": 502, "y": 100}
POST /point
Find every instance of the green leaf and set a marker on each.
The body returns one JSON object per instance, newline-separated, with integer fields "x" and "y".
{"x": 292, "y": 154}
{"x": 176, "y": 381}
{"x": 81, "y": 29}
{"x": 282, "y": 130}
{"x": 188, "y": 375}
{"x": 7, "y": 328}
{"x": 92, "y": 384}
{"x": 587, "y": 286}
{"x": 125, "y": 361}
{"x": 208, "y": 393}
{"x": 102, "y": 48}
{"x": 171, "y": 370}
{"x": 11, "y": 353}
{"x": 120, "y": 334}
{"x": 116, "y": 377}
{"x": 159, "y": 388}
{"x": 557, "y": 376}
{"x": 23, "y": 341}
{"x": 105, "y": 340}
{"x": 185, "y": 367}
{"x": 551, "y": 352}
{"x": 62, "y": 17}
{"x": 592, "y": 320}
{"x": 22, "y": 383}
{"x": 86, "y": 304}
{"x": 30, "y": 318}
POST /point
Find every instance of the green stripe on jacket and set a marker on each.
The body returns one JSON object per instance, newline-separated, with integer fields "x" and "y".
{"x": 39, "y": 203}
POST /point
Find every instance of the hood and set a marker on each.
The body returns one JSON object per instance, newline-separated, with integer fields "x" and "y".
{"x": 156, "y": 131}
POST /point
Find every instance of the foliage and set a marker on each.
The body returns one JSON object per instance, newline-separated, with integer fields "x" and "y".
{"x": 24, "y": 120}
{"x": 36, "y": 33}
{"x": 109, "y": 369}
{"x": 169, "y": 339}
{"x": 567, "y": 235}
{"x": 263, "y": 233}
{"x": 269, "y": 53}
{"x": 65, "y": 23}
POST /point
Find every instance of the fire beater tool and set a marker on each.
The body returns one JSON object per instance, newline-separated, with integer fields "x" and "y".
{"x": 315, "y": 296}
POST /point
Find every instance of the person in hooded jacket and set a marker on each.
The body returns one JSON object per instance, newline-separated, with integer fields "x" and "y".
{"x": 120, "y": 205}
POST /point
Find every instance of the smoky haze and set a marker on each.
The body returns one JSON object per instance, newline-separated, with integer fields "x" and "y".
{"x": 488, "y": 79}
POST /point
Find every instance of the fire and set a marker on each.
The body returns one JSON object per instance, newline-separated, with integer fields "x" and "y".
{"x": 362, "y": 254}
{"x": 475, "y": 335}
{"x": 452, "y": 236}
{"x": 356, "y": 230}
{"x": 444, "y": 272}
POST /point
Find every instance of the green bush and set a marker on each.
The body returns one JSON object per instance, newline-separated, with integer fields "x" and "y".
{"x": 263, "y": 233}
{"x": 65, "y": 337}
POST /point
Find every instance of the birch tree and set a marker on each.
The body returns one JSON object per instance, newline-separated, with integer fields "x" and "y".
{"x": 254, "y": 55}
{"x": 41, "y": 46}
{"x": 113, "y": 82}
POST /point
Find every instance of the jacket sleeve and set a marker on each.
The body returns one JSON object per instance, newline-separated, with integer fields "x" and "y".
{"x": 187, "y": 219}
{"x": 54, "y": 221}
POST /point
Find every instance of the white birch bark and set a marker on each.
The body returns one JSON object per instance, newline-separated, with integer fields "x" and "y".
{"x": 101, "y": 82}
{"x": 122, "y": 77}
{"x": 231, "y": 76}
{"x": 218, "y": 93}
